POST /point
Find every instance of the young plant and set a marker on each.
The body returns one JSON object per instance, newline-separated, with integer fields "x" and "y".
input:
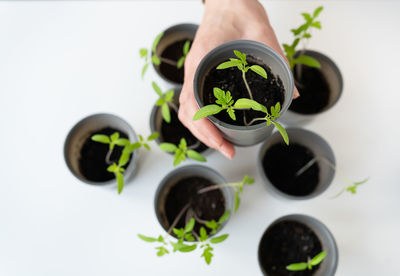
{"x": 225, "y": 102}
{"x": 309, "y": 264}
{"x": 188, "y": 234}
{"x": 156, "y": 60}
{"x": 182, "y": 151}
{"x": 350, "y": 186}
{"x": 118, "y": 167}
{"x": 303, "y": 33}
{"x": 236, "y": 186}
{"x": 165, "y": 100}
{"x": 242, "y": 65}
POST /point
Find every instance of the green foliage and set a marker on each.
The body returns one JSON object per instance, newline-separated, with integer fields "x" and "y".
{"x": 185, "y": 51}
{"x": 241, "y": 64}
{"x": 187, "y": 234}
{"x": 164, "y": 100}
{"x": 148, "y": 56}
{"x": 303, "y": 33}
{"x": 181, "y": 152}
{"x": 351, "y": 187}
{"x": 238, "y": 188}
{"x": 309, "y": 264}
{"x": 117, "y": 168}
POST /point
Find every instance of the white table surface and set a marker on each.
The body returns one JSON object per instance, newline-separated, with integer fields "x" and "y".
{"x": 61, "y": 61}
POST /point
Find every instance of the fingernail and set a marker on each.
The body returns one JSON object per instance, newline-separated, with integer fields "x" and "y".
{"x": 225, "y": 150}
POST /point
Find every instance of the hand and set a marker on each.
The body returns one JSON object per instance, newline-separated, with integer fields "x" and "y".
{"x": 223, "y": 21}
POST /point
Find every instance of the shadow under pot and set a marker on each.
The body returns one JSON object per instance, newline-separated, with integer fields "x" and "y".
{"x": 170, "y": 49}
{"x": 277, "y": 87}
{"x": 294, "y": 239}
{"x": 173, "y": 131}
{"x": 319, "y": 88}
{"x": 179, "y": 198}
{"x": 301, "y": 170}
{"x": 86, "y": 159}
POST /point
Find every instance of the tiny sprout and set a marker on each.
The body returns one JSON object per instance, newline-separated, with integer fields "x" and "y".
{"x": 236, "y": 186}
{"x": 165, "y": 100}
{"x": 309, "y": 264}
{"x": 114, "y": 139}
{"x": 303, "y": 33}
{"x": 350, "y": 186}
{"x": 225, "y": 102}
{"x": 182, "y": 151}
{"x": 241, "y": 64}
{"x": 156, "y": 60}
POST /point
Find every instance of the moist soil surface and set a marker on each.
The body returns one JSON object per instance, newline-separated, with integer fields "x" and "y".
{"x": 281, "y": 163}
{"x": 285, "y": 243}
{"x": 173, "y": 132}
{"x": 92, "y": 163}
{"x": 265, "y": 91}
{"x": 173, "y": 52}
{"x": 207, "y": 206}
{"x": 314, "y": 91}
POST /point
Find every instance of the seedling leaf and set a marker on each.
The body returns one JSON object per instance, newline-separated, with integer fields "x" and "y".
{"x": 297, "y": 267}
{"x": 192, "y": 154}
{"x": 120, "y": 181}
{"x": 147, "y": 239}
{"x": 283, "y": 132}
{"x": 153, "y": 136}
{"x": 318, "y": 258}
{"x": 259, "y": 70}
{"x": 143, "y": 52}
{"x": 101, "y": 138}
{"x": 189, "y": 226}
{"x": 186, "y": 47}
{"x": 219, "y": 239}
{"x": 157, "y": 89}
{"x": 307, "y": 60}
{"x": 165, "y": 112}
{"x": 156, "y": 41}
{"x": 207, "y": 111}
{"x": 180, "y": 62}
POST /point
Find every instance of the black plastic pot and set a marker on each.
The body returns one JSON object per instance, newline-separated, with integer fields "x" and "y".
{"x": 172, "y": 35}
{"x": 326, "y": 268}
{"x": 83, "y": 131}
{"x": 329, "y": 74}
{"x": 244, "y": 135}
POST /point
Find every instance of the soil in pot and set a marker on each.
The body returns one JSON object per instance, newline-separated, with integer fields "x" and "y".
{"x": 285, "y": 243}
{"x": 173, "y": 52}
{"x": 265, "y": 91}
{"x": 314, "y": 91}
{"x": 173, "y": 132}
{"x": 92, "y": 163}
{"x": 206, "y": 206}
{"x": 281, "y": 163}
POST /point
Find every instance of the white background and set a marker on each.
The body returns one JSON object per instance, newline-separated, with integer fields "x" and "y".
{"x": 62, "y": 61}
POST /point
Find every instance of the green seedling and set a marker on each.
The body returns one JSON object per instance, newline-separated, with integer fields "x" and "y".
{"x": 165, "y": 101}
{"x": 236, "y": 186}
{"x": 303, "y": 33}
{"x": 242, "y": 65}
{"x": 187, "y": 235}
{"x": 309, "y": 264}
{"x": 349, "y": 186}
{"x": 225, "y": 102}
{"x": 151, "y": 56}
{"x": 182, "y": 151}
{"x": 118, "y": 167}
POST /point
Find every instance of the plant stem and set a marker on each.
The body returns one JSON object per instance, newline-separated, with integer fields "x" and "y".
{"x": 178, "y": 217}
{"x": 202, "y": 221}
{"x": 254, "y": 120}
{"x": 215, "y": 187}
{"x": 247, "y": 85}
{"x": 174, "y": 107}
{"x": 195, "y": 145}
{"x": 168, "y": 61}
{"x": 311, "y": 162}
{"x": 108, "y": 156}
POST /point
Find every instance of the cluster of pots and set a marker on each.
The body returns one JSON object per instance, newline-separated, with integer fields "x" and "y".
{"x": 304, "y": 146}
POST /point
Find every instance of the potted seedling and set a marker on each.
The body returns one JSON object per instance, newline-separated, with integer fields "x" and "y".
{"x": 182, "y": 151}
{"x": 302, "y": 170}
{"x": 317, "y": 77}
{"x": 89, "y": 160}
{"x": 243, "y": 87}
{"x": 297, "y": 245}
{"x": 118, "y": 167}
{"x": 164, "y": 120}
{"x": 279, "y": 164}
{"x": 192, "y": 204}
{"x": 169, "y": 51}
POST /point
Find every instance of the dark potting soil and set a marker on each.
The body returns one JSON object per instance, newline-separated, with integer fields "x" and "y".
{"x": 314, "y": 91}
{"x": 281, "y": 163}
{"x": 265, "y": 91}
{"x": 92, "y": 163}
{"x": 207, "y": 206}
{"x": 288, "y": 242}
{"x": 173, "y": 132}
{"x": 173, "y": 52}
